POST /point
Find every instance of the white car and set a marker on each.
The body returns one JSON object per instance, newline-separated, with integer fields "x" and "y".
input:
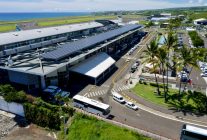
{"x": 204, "y": 74}
{"x": 131, "y": 105}
{"x": 127, "y": 60}
{"x": 117, "y": 97}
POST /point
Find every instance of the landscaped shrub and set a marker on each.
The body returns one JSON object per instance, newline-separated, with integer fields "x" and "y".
{"x": 200, "y": 101}
{"x": 11, "y": 95}
{"x": 42, "y": 116}
{"x": 155, "y": 85}
{"x": 140, "y": 81}
{"x": 196, "y": 39}
{"x": 145, "y": 83}
{"x": 68, "y": 110}
{"x": 40, "y": 103}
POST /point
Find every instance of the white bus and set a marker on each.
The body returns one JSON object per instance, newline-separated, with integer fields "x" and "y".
{"x": 190, "y": 132}
{"x": 92, "y": 106}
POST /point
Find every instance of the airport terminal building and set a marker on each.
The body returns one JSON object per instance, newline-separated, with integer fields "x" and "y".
{"x": 37, "y": 58}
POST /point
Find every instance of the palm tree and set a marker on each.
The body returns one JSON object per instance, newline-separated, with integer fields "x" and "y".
{"x": 189, "y": 58}
{"x": 150, "y": 57}
{"x": 162, "y": 57}
{"x": 171, "y": 44}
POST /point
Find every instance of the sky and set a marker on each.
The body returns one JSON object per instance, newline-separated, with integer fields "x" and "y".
{"x": 92, "y": 5}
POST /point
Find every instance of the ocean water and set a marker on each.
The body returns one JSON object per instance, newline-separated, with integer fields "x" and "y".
{"x": 26, "y": 16}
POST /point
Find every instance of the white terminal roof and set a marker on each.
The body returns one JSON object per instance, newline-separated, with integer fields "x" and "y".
{"x": 19, "y": 36}
{"x": 94, "y": 66}
{"x": 91, "y": 102}
{"x": 201, "y": 19}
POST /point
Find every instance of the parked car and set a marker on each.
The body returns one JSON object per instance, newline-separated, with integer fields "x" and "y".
{"x": 204, "y": 74}
{"x": 51, "y": 92}
{"x": 182, "y": 74}
{"x": 49, "y": 95}
{"x": 131, "y": 105}
{"x": 59, "y": 91}
{"x": 138, "y": 62}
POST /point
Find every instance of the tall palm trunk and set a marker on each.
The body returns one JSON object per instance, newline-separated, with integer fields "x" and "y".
{"x": 168, "y": 70}
{"x": 163, "y": 80}
{"x": 180, "y": 89}
{"x": 158, "y": 87}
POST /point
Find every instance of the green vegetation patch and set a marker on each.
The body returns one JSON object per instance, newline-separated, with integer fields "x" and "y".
{"x": 196, "y": 39}
{"x": 89, "y": 128}
{"x": 10, "y": 94}
{"x": 190, "y": 101}
{"x": 9, "y": 27}
{"x": 72, "y": 20}
{"x": 197, "y": 15}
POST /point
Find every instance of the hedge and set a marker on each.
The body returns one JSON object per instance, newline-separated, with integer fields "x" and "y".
{"x": 196, "y": 39}
{"x": 155, "y": 85}
{"x": 11, "y": 95}
{"x": 46, "y": 115}
{"x": 42, "y": 116}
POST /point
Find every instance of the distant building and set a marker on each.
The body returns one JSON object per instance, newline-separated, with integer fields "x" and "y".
{"x": 166, "y": 14}
{"x": 201, "y": 21}
{"x": 190, "y": 29}
{"x": 164, "y": 25}
{"x": 161, "y": 17}
{"x": 182, "y": 17}
{"x": 158, "y": 19}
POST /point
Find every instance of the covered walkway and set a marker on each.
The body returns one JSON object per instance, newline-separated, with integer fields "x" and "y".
{"x": 96, "y": 67}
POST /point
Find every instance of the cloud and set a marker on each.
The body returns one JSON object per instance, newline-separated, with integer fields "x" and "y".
{"x": 91, "y": 5}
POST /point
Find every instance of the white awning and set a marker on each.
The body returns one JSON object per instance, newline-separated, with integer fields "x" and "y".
{"x": 94, "y": 66}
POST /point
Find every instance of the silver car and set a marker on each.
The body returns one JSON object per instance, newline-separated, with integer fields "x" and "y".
{"x": 131, "y": 105}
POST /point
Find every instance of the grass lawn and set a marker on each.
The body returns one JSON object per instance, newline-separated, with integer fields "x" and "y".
{"x": 5, "y": 28}
{"x": 143, "y": 22}
{"x": 72, "y": 20}
{"x": 193, "y": 102}
{"x": 198, "y": 15}
{"x": 147, "y": 92}
{"x": 89, "y": 128}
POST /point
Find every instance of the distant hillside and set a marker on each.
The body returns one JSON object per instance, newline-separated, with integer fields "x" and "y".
{"x": 191, "y": 12}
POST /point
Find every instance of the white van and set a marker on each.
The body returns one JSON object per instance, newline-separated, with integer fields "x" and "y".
{"x": 117, "y": 97}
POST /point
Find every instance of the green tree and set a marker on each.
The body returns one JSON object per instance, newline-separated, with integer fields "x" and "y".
{"x": 174, "y": 23}
{"x": 162, "y": 57}
{"x": 150, "y": 57}
{"x": 188, "y": 58}
{"x": 171, "y": 45}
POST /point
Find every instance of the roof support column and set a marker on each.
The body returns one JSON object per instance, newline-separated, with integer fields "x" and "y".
{"x": 43, "y": 84}
{"x": 95, "y": 81}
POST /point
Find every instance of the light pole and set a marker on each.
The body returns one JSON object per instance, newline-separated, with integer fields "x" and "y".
{"x": 64, "y": 125}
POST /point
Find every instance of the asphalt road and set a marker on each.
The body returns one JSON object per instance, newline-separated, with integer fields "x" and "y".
{"x": 145, "y": 121}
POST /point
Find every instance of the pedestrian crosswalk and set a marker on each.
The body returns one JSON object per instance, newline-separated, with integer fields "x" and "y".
{"x": 95, "y": 93}
{"x": 120, "y": 88}
{"x": 103, "y": 92}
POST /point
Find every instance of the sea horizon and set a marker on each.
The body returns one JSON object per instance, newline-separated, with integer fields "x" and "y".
{"x": 18, "y": 16}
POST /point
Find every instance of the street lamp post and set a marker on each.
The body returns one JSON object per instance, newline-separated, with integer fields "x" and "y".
{"x": 64, "y": 125}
